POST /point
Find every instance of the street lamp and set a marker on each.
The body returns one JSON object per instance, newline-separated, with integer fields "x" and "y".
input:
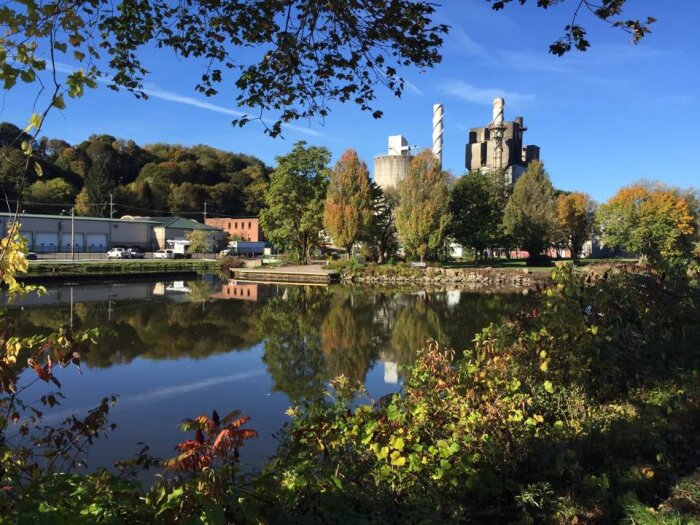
{"x": 72, "y": 232}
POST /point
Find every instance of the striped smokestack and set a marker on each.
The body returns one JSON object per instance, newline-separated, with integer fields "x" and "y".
{"x": 438, "y": 113}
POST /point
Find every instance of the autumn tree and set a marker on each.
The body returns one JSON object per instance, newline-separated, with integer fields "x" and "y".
{"x": 293, "y": 214}
{"x": 530, "y": 215}
{"x": 422, "y": 214}
{"x": 348, "y": 208}
{"x": 654, "y": 221}
{"x": 575, "y": 220}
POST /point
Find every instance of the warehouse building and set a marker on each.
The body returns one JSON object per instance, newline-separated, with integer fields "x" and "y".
{"x": 53, "y": 233}
{"x": 177, "y": 228}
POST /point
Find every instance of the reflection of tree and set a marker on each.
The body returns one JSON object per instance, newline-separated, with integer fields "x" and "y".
{"x": 346, "y": 332}
{"x": 153, "y": 330}
{"x": 417, "y": 322}
{"x": 293, "y": 352}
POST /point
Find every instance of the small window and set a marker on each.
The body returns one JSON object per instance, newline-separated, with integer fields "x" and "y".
{"x": 235, "y": 225}
{"x": 229, "y": 225}
{"x": 249, "y": 226}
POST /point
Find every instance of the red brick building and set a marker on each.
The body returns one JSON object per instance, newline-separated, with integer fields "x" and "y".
{"x": 246, "y": 228}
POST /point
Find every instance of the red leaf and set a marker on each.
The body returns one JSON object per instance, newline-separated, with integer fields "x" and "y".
{"x": 40, "y": 372}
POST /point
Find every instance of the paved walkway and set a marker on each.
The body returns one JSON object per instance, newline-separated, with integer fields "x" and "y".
{"x": 309, "y": 269}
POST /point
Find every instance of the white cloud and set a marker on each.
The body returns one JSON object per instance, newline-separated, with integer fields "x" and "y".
{"x": 477, "y": 95}
{"x": 171, "y": 96}
{"x": 460, "y": 42}
{"x": 412, "y": 88}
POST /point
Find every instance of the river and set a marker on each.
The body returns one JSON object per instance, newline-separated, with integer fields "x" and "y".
{"x": 178, "y": 349}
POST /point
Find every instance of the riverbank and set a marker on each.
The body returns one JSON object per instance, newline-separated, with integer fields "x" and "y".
{"x": 40, "y": 270}
{"x": 469, "y": 277}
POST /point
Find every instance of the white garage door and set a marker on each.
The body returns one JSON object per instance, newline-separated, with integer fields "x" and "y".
{"x": 46, "y": 242}
{"x": 96, "y": 242}
{"x": 78, "y": 241}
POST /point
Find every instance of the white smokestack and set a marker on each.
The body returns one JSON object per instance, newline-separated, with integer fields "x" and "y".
{"x": 498, "y": 108}
{"x": 438, "y": 113}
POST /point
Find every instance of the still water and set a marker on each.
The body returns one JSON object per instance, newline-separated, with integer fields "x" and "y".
{"x": 178, "y": 349}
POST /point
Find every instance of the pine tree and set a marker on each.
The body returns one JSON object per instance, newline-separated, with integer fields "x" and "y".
{"x": 530, "y": 216}
{"x": 422, "y": 214}
{"x": 348, "y": 206}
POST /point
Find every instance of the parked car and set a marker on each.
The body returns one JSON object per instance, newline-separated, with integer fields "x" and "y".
{"x": 31, "y": 256}
{"x": 163, "y": 254}
{"x": 117, "y": 253}
{"x": 135, "y": 253}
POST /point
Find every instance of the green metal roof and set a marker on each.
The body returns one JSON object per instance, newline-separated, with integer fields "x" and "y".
{"x": 182, "y": 224}
{"x": 77, "y": 218}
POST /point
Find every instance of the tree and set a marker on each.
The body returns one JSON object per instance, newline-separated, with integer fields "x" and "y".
{"x": 473, "y": 217}
{"x": 200, "y": 241}
{"x": 347, "y": 210}
{"x": 656, "y": 222}
{"x": 299, "y": 55}
{"x": 609, "y": 11}
{"x": 422, "y": 214}
{"x": 381, "y": 233}
{"x": 293, "y": 215}
{"x": 576, "y": 219}
{"x": 305, "y": 54}
{"x": 530, "y": 213}
{"x": 48, "y": 196}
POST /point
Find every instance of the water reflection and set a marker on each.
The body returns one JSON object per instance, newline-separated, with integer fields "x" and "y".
{"x": 179, "y": 348}
{"x": 309, "y": 334}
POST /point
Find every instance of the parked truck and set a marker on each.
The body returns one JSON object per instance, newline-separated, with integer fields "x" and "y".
{"x": 245, "y": 248}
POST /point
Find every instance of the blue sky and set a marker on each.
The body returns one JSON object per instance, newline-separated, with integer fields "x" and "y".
{"x": 605, "y": 118}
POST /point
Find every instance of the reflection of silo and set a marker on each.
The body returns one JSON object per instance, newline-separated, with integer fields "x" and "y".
{"x": 389, "y": 169}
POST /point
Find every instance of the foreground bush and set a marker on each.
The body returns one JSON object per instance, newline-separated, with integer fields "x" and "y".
{"x": 564, "y": 415}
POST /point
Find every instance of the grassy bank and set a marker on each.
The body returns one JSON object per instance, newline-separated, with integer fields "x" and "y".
{"x": 43, "y": 269}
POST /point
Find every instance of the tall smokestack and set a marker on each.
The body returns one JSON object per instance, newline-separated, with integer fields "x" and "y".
{"x": 498, "y": 106}
{"x": 438, "y": 113}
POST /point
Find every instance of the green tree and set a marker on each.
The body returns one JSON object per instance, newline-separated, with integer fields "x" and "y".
{"x": 48, "y": 196}
{"x": 576, "y": 219}
{"x": 200, "y": 241}
{"x": 381, "y": 234}
{"x": 530, "y": 215}
{"x": 473, "y": 221}
{"x": 347, "y": 210}
{"x": 310, "y": 53}
{"x": 293, "y": 215}
{"x": 422, "y": 214}
{"x": 656, "y": 222}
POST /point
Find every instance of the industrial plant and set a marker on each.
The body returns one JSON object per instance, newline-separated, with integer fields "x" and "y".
{"x": 496, "y": 146}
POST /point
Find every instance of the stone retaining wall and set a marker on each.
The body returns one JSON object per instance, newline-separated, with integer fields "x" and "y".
{"x": 466, "y": 276}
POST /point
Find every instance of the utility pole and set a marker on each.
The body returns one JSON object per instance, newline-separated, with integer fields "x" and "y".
{"x": 72, "y": 233}
{"x": 205, "y": 211}
{"x": 111, "y": 207}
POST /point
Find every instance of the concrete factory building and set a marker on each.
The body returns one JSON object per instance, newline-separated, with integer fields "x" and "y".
{"x": 499, "y": 145}
{"x": 389, "y": 169}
